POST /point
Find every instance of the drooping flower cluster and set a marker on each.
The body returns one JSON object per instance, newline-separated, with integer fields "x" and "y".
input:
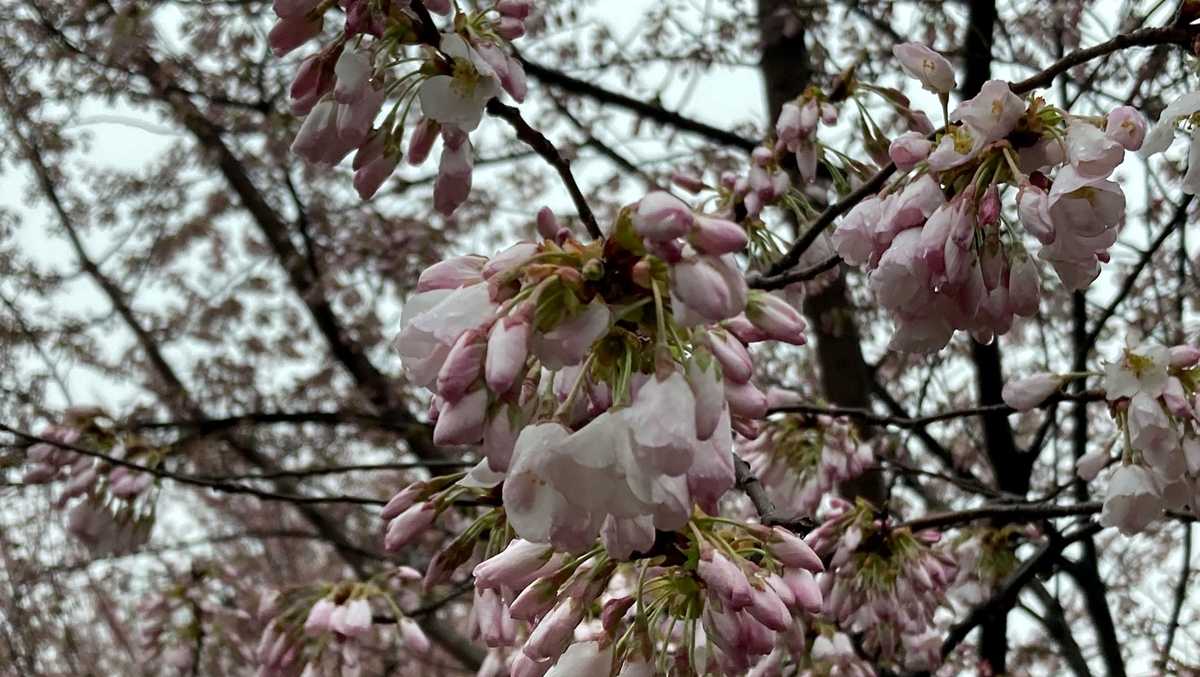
{"x": 1154, "y": 394}
{"x": 110, "y": 508}
{"x": 984, "y": 556}
{"x": 800, "y": 459}
{"x": 883, "y": 582}
{"x": 797, "y": 129}
{"x": 344, "y": 87}
{"x": 936, "y": 242}
{"x": 192, "y": 608}
{"x": 720, "y": 596}
{"x": 322, "y": 630}
{"x": 604, "y": 379}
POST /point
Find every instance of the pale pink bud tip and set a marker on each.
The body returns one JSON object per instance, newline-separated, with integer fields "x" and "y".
{"x": 661, "y": 216}
{"x": 1027, "y": 393}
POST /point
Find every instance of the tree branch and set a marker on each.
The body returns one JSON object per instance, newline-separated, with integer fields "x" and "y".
{"x": 194, "y": 480}
{"x": 546, "y": 149}
{"x": 868, "y": 416}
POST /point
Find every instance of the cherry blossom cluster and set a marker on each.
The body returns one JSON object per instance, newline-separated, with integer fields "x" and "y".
{"x": 193, "y": 604}
{"x": 984, "y": 557}
{"x": 344, "y": 87}
{"x": 941, "y": 254}
{"x": 326, "y": 629}
{"x": 602, "y": 381}
{"x": 110, "y": 508}
{"x": 800, "y": 459}
{"x": 720, "y": 597}
{"x": 1154, "y": 396}
{"x": 884, "y": 583}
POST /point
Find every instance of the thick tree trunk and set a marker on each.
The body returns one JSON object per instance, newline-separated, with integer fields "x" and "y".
{"x": 845, "y": 378}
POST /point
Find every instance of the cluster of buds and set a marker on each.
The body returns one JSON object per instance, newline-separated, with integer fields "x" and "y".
{"x": 324, "y": 629}
{"x": 797, "y": 129}
{"x": 603, "y": 380}
{"x": 343, "y": 88}
{"x": 194, "y": 604}
{"x": 800, "y": 459}
{"x": 884, "y": 582}
{"x": 1154, "y": 395}
{"x": 115, "y": 510}
{"x": 985, "y": 556}
{"x": 722, "y": 596}
{"x": 935, "y": 242}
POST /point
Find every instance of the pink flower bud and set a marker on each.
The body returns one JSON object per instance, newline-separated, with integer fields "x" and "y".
{"x": 788, "y": 127}
{"x": 1184, "y": 356}
{"x": 517, "y": 9}
{"x": 462, "y": 422}
{"x": 462, "y": 365}
{"x": 408, "y": 525}
{"x": 313, "y": 80}
{"x": 829, "y": 113}
{"x": 717, "y": 236}
{"x": 691, "y": 184}
{"x": 1176, "y": 399}
{"x": 453, "y": 183}
{"x": 792, "y": 551}
{"x": 1090, "y": 464}
{"x": 989, "y": 207}
{"x": 524, "y": 666}
{"x": 909, "y": 149}
{"x": 414, "y": 637}
{"x": 354, "y": 120}
{"x": 353, "y": 71}
{"x": 1033, "y": 209}
{"x": 318, "y": 140}
{"x": 452, "y": 273}
{"x": 711, "y": 287}
{"x": 767, "y": 608}
{"x": 1126, "y": 126}
{"x": 318, "y": 620}
{"x": 370, "y": 177}
{"x": 725, "y": 579}
{"x": 932, "y": 69}
{"x": 510, "y": 28}
{"x": 288, "y": 33}
{"x": 1027, "y": 393}
{"x": 745, "y": 400}
{"x": 743, "y": 329}
{"x": 507, "y": 349}
{"x": 39, "y": 473}
{"x": 708, "y": 390}
{"x": 550, "y": 637}
{"x": 496, "y": 628}
{"x": 421, "y": 141}
{"x": 661, "y": 216}
{"x": 513, "y": 567}
{"x": 547, "y": 224}
{"x": 776, "y": 318}
{"x": 355, "y": 621}
{"x": 500, "y": 437}
{"x": 1024, "y": 287}
{"x": 735, "y": 360}
{"x": 534, "y": 600}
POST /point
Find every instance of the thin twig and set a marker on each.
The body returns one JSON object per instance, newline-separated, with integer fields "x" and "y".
{"x": 549, "y": 152}
{"x": 225, "y": 487}
{"x": 867, "y": 416}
